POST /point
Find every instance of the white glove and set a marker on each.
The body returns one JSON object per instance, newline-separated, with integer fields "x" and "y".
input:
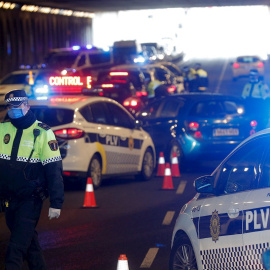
{"x": 54, "y": 213}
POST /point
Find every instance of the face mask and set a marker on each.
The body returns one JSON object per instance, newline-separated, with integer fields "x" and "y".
{"x": 15, "y": 113}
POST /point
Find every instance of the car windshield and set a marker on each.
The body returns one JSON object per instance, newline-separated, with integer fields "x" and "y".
{"x": 100, "y": 58}
{"x": 53, "y": 116}
{"x": 16, "y": 79}
{"x": 63, "y": 60}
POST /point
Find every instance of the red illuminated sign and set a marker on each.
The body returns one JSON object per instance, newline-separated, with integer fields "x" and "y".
{"x": 76, "y": 81}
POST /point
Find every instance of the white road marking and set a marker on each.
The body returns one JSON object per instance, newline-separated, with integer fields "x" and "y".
{"x": 168, "y": 218}
{"x": 181, "y": 187}
{"x": 149, "y": 258}
{"x": 221, "y": 76}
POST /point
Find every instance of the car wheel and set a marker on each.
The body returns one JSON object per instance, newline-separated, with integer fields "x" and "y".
{"x": 95, "y": 171}
{"x": 147, "y": 166}
{"x": 175, "y": 148}
{"x": 182, "y": 255}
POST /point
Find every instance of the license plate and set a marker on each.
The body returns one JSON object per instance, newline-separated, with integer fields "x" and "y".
{"x": 226, "y": 132}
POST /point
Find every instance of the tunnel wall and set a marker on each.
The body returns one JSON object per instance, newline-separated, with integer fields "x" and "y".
{"x": 26, "y": 38}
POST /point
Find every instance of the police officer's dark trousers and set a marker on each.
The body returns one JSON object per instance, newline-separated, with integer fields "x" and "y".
{"x": 22, "y": 216}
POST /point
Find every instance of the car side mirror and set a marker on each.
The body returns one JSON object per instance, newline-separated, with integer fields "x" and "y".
{"x": 205, "y": 184}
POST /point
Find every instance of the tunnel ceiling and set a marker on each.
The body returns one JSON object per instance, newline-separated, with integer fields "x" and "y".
{"x": 110, "y": 5}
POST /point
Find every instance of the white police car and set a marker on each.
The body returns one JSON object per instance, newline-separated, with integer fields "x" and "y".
{"x": 227, "y": 224}
{"x": 97, "y": 137}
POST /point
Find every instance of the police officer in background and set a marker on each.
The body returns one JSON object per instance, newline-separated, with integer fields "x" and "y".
{"x": 201, "y": 80}
{"x": 255, "y": 88}
{"x": 30, "y": 170}
{"x": 189, "y": 78}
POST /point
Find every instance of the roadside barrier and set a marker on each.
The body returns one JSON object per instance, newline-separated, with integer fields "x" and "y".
{"x": 167, "y": 180}
{"x": 161, "y": 165}
{"x": 175, "y": 166}
{"x": 122, "y": 262}
{"x": 89, "y": 198}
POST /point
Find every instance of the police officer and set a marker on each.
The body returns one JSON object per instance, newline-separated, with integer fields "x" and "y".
{"x": 201, "y": 78}
{"x": 30, "y": 167}
{"x": 255, "y": 88}
{"x": 189, "y": 78}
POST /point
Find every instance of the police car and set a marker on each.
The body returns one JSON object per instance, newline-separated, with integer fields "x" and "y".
{"x": 227, "y": 224}
{"x": 97, "y": 137}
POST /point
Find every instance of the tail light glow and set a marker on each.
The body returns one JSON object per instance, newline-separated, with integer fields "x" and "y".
{"x": 118, "y": 73}
{"x": 260, "y": 65}
{"x": 141, "y": 94}
{"x": 193, "y": 126}
{"x": 198, "y": 134}
{"x": 171, "y": 89}
{"x": 131, "y": 103}
{"x": 235, "y": 65}
{"x": 107, "y": 85}
{"x": 69, "y": 133}
{"x": 253, "y": 123}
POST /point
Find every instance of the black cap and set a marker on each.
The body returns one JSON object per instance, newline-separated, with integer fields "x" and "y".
{"x": 16, "y": 97}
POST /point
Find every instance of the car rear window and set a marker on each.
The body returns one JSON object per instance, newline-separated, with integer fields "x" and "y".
{"x": 53, "y": 116}
{"x": 248, "y": 59}
{"x": 216, "y": 108}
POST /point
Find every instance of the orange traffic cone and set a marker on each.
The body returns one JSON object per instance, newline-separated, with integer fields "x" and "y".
{"x": 167, "y": 181}
{"x": 122, "y": 262}
{"x": 89, "y": 198}
{"x": 161, "y": 165}
{"x": 175, "y": 167}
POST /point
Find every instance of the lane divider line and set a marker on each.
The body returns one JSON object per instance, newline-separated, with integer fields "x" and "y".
{"x": 168, "y": 218}
{"x": 149, "y": 258}
{"x": 181, "y": 187}
{"x": 221, "y": 75}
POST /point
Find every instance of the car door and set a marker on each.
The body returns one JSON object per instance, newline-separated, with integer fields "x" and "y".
{"x": 123, "y": 141}
{"x": 220, "y": 226}
{"x": 164, "y": 126}
{"x": 256, "y": 226}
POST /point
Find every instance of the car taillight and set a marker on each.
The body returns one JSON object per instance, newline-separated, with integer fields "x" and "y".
{"x": 141, "y": 94}
{"x": 131, "y": 103}
{"x": 260, "y": 64}
{"x": 171, "y": 89}
{"x": 193, "y": 126}
{"x": 253, "y": 123}
{"x": 235, "y": 65}
{"x": 107, "y": 85}
{"x": 69, "y": 133}
{"x": 118, "y": 73}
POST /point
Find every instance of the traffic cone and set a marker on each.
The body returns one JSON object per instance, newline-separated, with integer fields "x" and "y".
{"x": 161, "y": 165}
{"x": 175, "y": 167}
{"x": 167, "y": 181}
{"x": 122, "y": 262}
{"x": 89, "y": 198}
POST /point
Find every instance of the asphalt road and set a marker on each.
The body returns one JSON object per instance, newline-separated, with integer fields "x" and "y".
{"x": 133, "y": 218}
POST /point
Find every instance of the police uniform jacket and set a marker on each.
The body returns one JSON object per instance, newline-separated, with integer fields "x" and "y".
{"x": 21, "y": 176}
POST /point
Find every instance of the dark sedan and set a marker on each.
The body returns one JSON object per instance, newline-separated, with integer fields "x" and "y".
{"x": 196, "y": 126}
